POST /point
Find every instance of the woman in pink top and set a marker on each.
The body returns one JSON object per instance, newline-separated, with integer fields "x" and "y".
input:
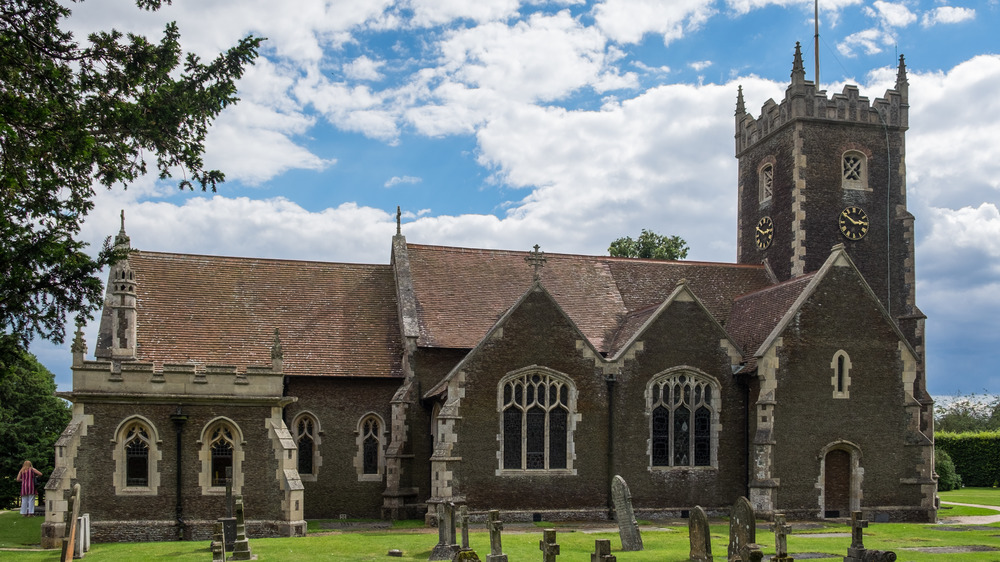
{"x": 26, "y": 476}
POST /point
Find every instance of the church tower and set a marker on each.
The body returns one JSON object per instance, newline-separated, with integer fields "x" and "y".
{"x": 815, "y": 172}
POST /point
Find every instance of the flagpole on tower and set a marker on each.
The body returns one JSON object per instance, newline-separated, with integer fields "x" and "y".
{"x": 816, "y": 41}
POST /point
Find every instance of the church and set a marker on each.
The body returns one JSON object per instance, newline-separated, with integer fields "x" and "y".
{"x": 525, "y": 381}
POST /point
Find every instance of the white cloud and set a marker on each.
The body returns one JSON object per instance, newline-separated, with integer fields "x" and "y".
{"x": 363, "y": 68}
{"x": 436, "y": 12}
{"x": 698, "y": 66}
{"x": 947, "y": 14}
{"x": 868, "y": 40}
{"x": 396, "y": 180}
{"x": 627, "y": 21}
{"x": 892, "y": 14}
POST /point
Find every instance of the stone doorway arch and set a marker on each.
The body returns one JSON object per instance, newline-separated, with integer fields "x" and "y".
{"x": 839, "y": 481}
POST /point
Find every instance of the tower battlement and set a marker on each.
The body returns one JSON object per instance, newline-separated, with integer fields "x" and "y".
{"x": 802, "y": 101}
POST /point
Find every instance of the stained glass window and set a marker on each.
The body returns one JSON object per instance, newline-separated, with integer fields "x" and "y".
{"x": 681, "y": 413}
{"x": 222, "y": 454}
{"x": 535, "y": 417}
{"x": 137, "y": 456}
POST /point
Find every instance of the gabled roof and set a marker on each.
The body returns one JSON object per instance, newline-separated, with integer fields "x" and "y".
{"x": 755, "y": 315}
{"x": 335, "y": 319}
{"x": 461, "y": 293}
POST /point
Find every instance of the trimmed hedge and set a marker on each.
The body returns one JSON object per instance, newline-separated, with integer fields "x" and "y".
{"x": 976, "y": 455}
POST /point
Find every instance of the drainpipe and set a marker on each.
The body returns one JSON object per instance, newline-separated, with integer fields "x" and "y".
{"x": 179, "y": 420}
{"x": 610, "y": 380}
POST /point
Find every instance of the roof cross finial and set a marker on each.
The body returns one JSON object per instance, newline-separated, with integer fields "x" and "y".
{"x": 399, "y": 219}
{"x": 537, "y": 260}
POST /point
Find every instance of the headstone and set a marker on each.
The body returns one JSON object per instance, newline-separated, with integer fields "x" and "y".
{"x": 602, "y": 551}
{"x": 229, "y": 491}
{"x": 699, "y": 535}
{"x": 495, "y": 527}
{"x": 628, "y": 527}
{"x": 241, "y": 550}
{"x": 463, "y": 514}
{"x": 857, "y": 552}
{"x": 781, "y": 531}
{"x": 442, "y": 550}
{"x": 548, "y": 546}
{"x": 82, "y": 535}
{"x": 218, "y": 544}
{"x": 69, "y": 542}
{"x": 742, "y": 530}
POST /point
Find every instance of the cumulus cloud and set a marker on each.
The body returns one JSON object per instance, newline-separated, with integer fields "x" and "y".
{"x": 396, "y": 180}
{"x": 363, "y": 68}
{"x": 892, "y": 14}
{"x": 947, "y": 14}
{"x": 627, "y": 21}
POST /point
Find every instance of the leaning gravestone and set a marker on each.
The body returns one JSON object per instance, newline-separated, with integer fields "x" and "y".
{"x": 628, "y": 527}
{"x": 699, "y": 535}
{"x": 602, "y": 551}
{"x": 742, "y": 530}
{"x": 495, "y": 526}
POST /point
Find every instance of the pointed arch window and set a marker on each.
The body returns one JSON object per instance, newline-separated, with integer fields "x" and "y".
{"x": 306, "y": 433}
{"x": 370, "y": 458}
{"x": 137, "y": 455}
{"x": 765, "y": 182}
{"x": 841, "y": 377}
{"x": 854, "y": 166}
{"x": 683, "y": 409}
{"x": 221, "y": 447}
{"x": 536, "y": 416}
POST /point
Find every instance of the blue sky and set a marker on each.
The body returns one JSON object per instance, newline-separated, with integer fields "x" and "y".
{"x": 506, "y": 123}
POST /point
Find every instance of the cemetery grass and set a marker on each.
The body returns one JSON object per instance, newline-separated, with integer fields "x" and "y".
{"x": 981, "y": 496}
{"x": 667, "y": 542}
{"x": 19, "y": 532}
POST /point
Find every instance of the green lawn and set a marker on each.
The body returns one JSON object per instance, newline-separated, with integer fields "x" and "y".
{"x": 981, "y": 496}
{"x": 663, "y": 543}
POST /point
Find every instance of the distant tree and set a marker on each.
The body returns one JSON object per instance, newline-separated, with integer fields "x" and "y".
{"x": 948, "y": 479}
{"x": 971, "y": 413}
{"x": 650, "y": 245}
{"x": 75, "y": 116}
{"x": 31, "y": 417}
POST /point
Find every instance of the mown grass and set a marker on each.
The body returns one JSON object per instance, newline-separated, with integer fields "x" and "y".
{"x": 667, "y": 542}
{"x": 981, "y": 496}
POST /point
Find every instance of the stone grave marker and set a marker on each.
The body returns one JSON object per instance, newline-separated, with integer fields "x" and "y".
{"x": 69, "y": 542}
{"x": 82, "y": 535}
{"x": 548, "y": 546}
{"x": 628, "y": 527}
{"x": 218, "y": 544}
{"x": 857, "y": 552}
{"x": 742, "y": 530}
{"x": 241, "y": 549}
{"x": 699, "y": 535}
{"x": 463, "y": 514}
{"x": 602, "y": 551}
{"x": 781, "y": 532}
{"x": 495, "y": 526}
{"x": 442, "y": 550}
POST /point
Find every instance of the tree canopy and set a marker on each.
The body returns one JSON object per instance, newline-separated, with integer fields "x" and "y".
{"x": 650, "y": 245}
{"x": 77, "y": 116}
{"x": 965, "y": 414}
{"x": 31, "y": 417}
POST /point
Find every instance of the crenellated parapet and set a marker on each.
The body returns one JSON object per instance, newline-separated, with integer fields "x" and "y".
{"x": 190, "y": 379}
{"x": 802, "y": 101}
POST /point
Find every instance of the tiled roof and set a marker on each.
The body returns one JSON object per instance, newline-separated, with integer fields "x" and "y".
{"x": 755, "y": 315}
{"x": 335, "y": 319}
{"x": 461, "y": 293}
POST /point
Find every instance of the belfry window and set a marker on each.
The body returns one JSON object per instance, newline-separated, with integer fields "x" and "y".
{"x": 766, "y": 182}
{"x": 535, "y": 410}
{"x": 683, "y": 409}
{"x": 855, "y": 170}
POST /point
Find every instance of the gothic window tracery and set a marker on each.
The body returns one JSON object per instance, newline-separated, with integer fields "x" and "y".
{"x": 766, "y": 182}
{"x": 221, "y": 444}
{"x": 682, "y": 406}
{"x": 136, "y": 454}
{"x": 535, "y": 411}
{"x": 305, "y": 430}
{"x": 370, "y": 458}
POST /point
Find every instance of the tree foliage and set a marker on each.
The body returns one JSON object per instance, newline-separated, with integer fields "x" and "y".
{"x": 650, "y": 245}
{"x": 970, "y": 413}
{"x": 976, "y": 456}
{"x": 31, "y": 417}
{"x": 948, "y": 479}
{"x": 73, "y": 117}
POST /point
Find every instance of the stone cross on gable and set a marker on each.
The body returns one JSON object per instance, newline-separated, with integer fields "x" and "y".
{"x": 399, "y": 220}
{"x": 536, "y": 259}
{"x": 548, "y": 546}
{"x": 857, "y": 530}
{"x": 781, "y": 531}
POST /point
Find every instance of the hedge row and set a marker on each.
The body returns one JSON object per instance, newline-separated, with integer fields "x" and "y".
{"x": 976, "y": 455}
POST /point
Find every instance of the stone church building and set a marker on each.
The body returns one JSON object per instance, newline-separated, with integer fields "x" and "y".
{"x": 525, "y": 381}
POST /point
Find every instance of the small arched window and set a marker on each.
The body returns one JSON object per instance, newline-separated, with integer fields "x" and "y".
{"x": 306, "y": 432}
{"x": 855, "y": 170}
{"x": 370, "y": 459}
{"x": 683, "y": 408}
{"x": 137, "y": 455}
{"x": 766, "y": 182}
{"x": 221, "y": 448}
{"x": 841, "y": 378}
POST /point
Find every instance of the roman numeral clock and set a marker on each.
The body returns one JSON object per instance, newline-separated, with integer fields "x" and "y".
{"x": 853, "y": 222}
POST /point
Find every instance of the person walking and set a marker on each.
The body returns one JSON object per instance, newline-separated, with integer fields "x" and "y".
{"x": 26, "y": 476}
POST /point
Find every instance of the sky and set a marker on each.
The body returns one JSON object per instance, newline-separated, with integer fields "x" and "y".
{"x": 563, "y": 123}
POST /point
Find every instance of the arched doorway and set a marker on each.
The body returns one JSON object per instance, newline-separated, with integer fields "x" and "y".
{"x": 837, "y": 483}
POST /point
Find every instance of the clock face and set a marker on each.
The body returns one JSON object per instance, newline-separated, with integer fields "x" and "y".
{"x": 764, "y": 233}
{"x": 853, "y": 223}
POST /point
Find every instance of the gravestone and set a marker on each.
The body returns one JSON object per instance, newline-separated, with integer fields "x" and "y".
{"x": 628, "y": 527}
{"x": 602, "y": 551}
{"x": 218, "y": 544}
{"x": 742, "y": 530}
{"x": 548, "y": 546}
{"x": 241, "y": 549}
{"x": 465, "y": 554}
{"x": 229, "y": 522}
{"x": 699, "y": 535}
{"x": 82, "y": 535}
{"x": 781, "y": 531}
{"x": 495, "y": 526}
{"x": 857, "y": 552}
{"x": 442, "y": 550}
{"x": 69, "y": 542}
